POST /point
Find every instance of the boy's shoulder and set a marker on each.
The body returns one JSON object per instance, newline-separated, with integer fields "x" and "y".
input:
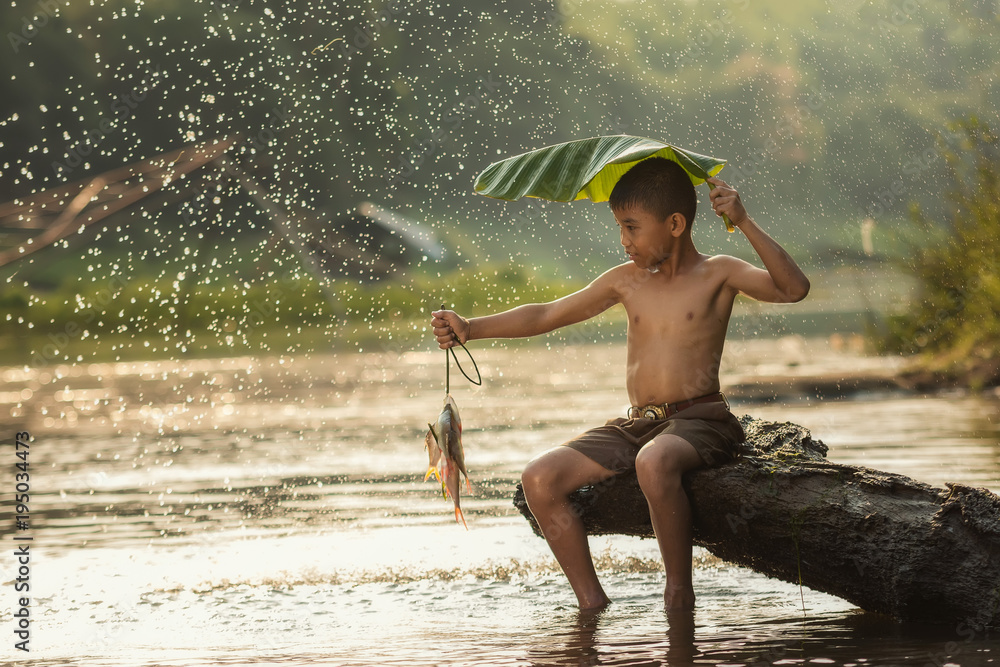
{"x": 724, "y": 263}
{"x": 723, "y": 270}
{"x": 628, "y": 270}
{"x": 628, "y": 274}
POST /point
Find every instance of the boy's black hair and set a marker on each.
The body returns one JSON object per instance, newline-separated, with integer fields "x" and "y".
{"x": 660, "y": 186}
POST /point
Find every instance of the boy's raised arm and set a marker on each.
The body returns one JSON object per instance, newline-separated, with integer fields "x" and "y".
{"x": 530, "y": 319}
{"x": 783, "y": 281}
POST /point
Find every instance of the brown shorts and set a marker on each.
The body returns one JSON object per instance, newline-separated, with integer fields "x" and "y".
{"x": 710, "y": 427}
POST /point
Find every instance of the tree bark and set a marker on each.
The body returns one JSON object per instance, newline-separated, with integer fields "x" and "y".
{"x": 882, "y": 541}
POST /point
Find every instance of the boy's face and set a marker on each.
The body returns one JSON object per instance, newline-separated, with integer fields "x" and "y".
{"x": 647, "y": 239}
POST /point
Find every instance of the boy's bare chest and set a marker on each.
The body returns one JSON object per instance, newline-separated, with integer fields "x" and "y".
{"x": 676, "y": 308}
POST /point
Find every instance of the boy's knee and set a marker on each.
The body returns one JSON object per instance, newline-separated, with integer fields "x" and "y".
{"x": 657, "y": 466}
{"x": 547, "y": 478}
{"x": 537, "y": 476}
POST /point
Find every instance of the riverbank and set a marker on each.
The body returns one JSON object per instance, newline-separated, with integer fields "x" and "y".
{"x": 312, "y": 391}
{"x": 120, "y": 320}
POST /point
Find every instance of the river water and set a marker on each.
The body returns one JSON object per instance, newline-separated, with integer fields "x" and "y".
{"x": 272, "y": 511}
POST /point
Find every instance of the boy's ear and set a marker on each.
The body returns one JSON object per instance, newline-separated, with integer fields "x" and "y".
{"x": 677, "y": 222}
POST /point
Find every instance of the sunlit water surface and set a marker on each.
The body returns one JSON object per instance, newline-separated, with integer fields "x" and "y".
{"x": 272, "y": 511}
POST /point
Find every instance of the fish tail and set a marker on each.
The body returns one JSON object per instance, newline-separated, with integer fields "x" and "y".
{"x": 459, "y": 515}
{"x": 431, "y": 472}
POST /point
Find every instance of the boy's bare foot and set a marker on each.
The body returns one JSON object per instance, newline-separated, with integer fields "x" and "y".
{"x": 678, "y": 598}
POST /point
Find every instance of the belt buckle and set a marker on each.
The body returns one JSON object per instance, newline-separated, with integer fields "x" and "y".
{"x": 653, "y": 412}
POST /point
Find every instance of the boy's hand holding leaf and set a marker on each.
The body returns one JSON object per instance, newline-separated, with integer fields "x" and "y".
{"x": 726, "y": 202}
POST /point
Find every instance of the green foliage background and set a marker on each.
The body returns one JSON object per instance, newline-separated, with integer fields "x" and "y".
{"x": 827, "y": 111}
{"x": 954, "y": 321}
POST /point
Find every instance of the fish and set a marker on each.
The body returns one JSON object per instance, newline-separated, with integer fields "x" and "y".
{"x": 445, "y": 455}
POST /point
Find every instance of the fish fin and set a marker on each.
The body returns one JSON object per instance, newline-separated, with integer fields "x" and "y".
{"x": 432, "y": 472}
{"x": 442, "y": 476}
{"x": 460, "y": 515}
{"x": 468, "y": 484}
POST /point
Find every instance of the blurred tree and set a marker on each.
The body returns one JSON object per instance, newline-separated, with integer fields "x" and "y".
{"x": 404, "y": 103}
{"x": 954, "y": 323}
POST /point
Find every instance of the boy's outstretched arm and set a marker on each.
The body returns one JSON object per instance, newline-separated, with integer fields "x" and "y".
{"x": 530, "y": 319}
{"x": 783, "y": 281}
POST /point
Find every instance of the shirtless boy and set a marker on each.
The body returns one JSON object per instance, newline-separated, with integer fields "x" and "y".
{"x": 678, "y": 302}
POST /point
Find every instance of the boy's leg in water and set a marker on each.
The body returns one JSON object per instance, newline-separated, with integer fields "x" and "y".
{"x": 547, "y": 481}
{"x": 659, "y": 467}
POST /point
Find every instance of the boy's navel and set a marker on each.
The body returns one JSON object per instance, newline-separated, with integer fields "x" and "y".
{"x": 690, "y": 316}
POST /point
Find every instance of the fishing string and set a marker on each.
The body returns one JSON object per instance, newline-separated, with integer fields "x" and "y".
{"x": 447, "y": 363}
{"x": 455, "y": 357}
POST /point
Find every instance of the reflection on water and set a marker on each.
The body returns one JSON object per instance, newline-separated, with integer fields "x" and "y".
{"x": 685, "y": 639}
{"x": 234, "y": 511}
{"x": 592, "y": 638}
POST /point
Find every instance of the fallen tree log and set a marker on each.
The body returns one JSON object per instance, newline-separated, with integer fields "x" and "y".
{"x": 882, "y": 541}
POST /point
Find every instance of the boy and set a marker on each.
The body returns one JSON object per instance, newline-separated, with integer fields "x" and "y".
{"x": 678, "y": 304}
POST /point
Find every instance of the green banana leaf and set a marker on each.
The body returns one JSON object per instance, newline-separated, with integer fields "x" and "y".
{"x": 585, "y": 169}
